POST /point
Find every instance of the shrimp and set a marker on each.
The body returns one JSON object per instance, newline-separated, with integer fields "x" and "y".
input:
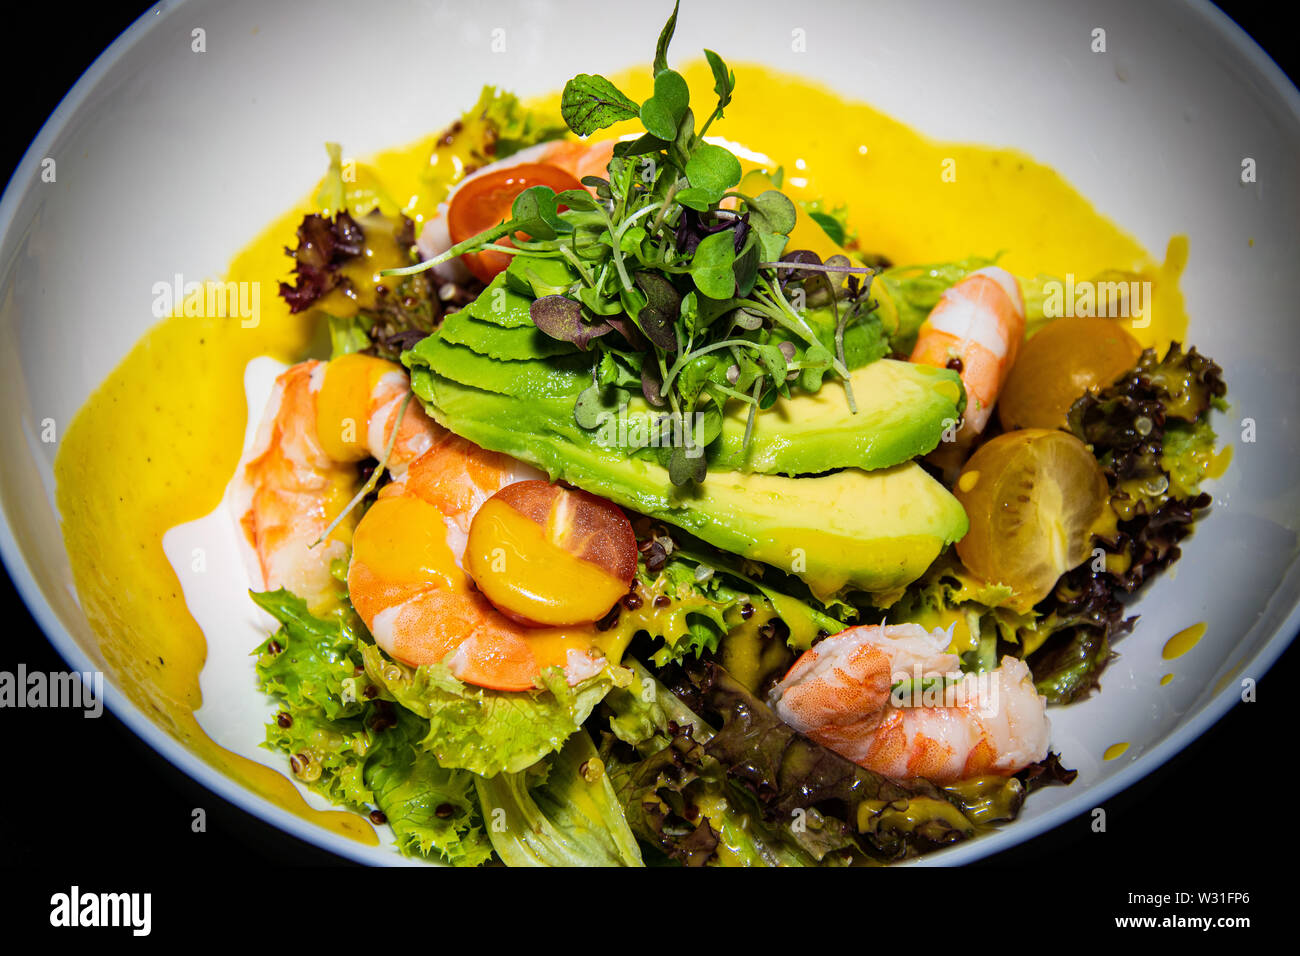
{"x": 406, "y": 576}
{"x": 577, "y": 159}
{"x": 301, "y": 469}
{"x": 408, "y": 582}
{"x": 839, "y": 693}
{"x": 976, "y": 328}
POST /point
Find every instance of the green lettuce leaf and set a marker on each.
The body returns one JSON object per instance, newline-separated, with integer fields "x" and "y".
{"x": 719, "y": 605}
{"x": 564, "y": 813}
{"x": 430, "y": 807}
{"x": 1186, "y": 455}
{"x": 354, "y": 748}
{"x": 486, "y": 731}
{"x": 310, "y": 662}
{"x": 514, "y": 126}
{"x": 329, "y": 756}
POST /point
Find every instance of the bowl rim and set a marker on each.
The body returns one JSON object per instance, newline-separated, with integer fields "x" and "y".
{"x": 182, "y": 758}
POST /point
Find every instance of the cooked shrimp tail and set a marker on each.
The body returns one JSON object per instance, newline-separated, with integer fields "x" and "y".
{"x": 893, "y": 700}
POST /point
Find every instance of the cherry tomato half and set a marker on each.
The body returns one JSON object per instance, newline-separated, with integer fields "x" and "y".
{"x": 1034, "y": 497}
{"x": 546, "y": 555}
{"x": 485, "y": 202}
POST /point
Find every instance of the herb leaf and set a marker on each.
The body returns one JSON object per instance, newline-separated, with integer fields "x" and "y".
{"x": 534, "y": 212}
{"x": 713, "y": 170}
{"x": 592, "y": 407}
{"x": 711, "y": 267}
{"x": 658, "y": 328}
{"x": 660, "y": 293}
{"x": 686, "y": 466}
{"x": 662, "y": 112}
{"x": 592, "y": 102}
{"x": 561, "y": 318}
{"x": 773, "y": 212}
{"x": 665, "y": 38}
{"x": 724, "y": 81}
{"x": 830, "y": 225}
{"x": 578, "y": 199}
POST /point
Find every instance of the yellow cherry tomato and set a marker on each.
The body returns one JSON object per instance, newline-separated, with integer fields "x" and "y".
{"x": 546, "y": 555}
{"x": 1033, "y": 497}
{"x": 1059, "y": 364}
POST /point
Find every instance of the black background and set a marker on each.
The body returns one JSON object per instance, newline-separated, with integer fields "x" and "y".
{"x": 90, "y": 794}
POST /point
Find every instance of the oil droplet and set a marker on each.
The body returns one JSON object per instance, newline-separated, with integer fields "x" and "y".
{"x": 1114, "y": 750}
{"x": 1166, "y": 679}
{"x": 968, "y": 480}
{"x": 1183, "y": 641}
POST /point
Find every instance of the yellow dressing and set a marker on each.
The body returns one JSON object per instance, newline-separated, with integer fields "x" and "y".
{"x": 1219, "y": 463}
{"x": 1182, "y": 642}
{"x": 403, "y": 541}
{"x": 343, "y": 403}
{"x": 1114, "y": 750}
{"x": 381, "y": 251}
{"x": 1166, "y": 680}
{"x": 154, "y": 447}
{"x": 156, "y": 443}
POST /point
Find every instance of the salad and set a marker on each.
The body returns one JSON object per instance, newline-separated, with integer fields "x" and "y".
{"x": 641, "y": 514}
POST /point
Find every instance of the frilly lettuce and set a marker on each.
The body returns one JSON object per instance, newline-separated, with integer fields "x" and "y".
{"x": 1150, "y": 432}
{"x": 710, "y": 595}
{"x": 430, "y": 807}
{"x": 486, "y": 731}
{"x": 354, "y": 750}
{"x": 514, "y": 127}
{"x": 310, "y": 662}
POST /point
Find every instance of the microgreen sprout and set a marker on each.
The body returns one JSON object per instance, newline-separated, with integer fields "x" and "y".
{"x": 680, "y": 286}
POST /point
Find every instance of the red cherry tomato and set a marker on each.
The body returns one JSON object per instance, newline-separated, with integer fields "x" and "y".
{"x": 485, "y": 202}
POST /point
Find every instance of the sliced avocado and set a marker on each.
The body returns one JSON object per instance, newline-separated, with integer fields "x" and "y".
{"x": 501, "y": 305}
{"x": 508, "y": 343}
{"x": 851, "y": 530}
{"x": 902, "y": 411}
{"x": 564, "y": 375}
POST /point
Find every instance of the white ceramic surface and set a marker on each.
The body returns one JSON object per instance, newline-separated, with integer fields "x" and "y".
{"x": 1153, "y": 132}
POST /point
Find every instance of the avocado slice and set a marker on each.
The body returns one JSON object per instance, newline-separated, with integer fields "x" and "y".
{"x": 507, "y": 343}
{"x": 902, "y": 412}
{"x": 872, "y": 531}
{"x": 903, "y": 409}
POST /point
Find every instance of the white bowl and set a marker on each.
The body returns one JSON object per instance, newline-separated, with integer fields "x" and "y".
{"x": 169, "y": 161}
